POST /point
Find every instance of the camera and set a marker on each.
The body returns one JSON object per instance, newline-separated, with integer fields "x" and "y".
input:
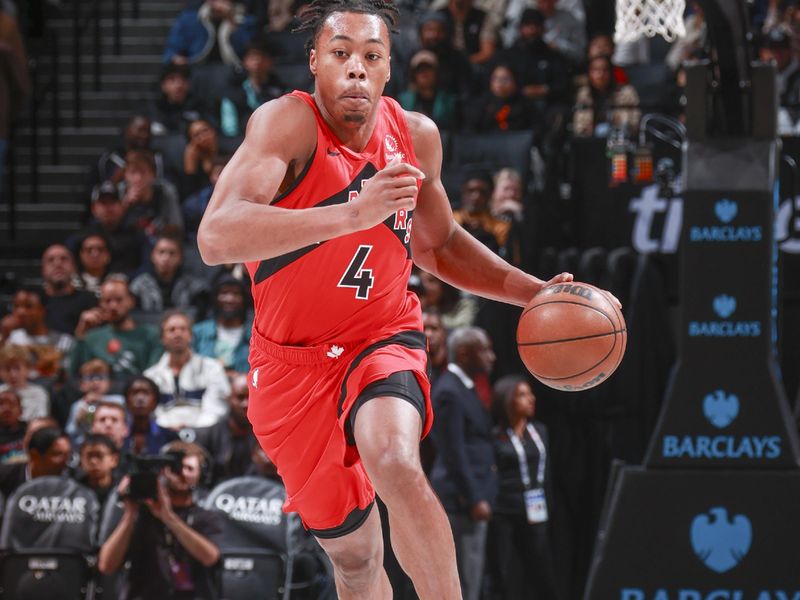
{"x": 144, "y": 473}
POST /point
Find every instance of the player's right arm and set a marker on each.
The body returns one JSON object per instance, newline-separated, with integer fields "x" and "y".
{"x": 240, "y": 225}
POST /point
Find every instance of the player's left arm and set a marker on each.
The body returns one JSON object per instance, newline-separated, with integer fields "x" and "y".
{"x": 442, "y": 247}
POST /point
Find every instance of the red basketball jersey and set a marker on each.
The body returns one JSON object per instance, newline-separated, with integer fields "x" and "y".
{"x": 352, "y": 287}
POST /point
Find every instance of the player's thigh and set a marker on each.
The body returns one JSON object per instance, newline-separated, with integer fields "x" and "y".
{"x": 360, "y": 547}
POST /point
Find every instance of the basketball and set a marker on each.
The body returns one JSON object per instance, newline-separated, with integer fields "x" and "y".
{"x": 571, "y": 336}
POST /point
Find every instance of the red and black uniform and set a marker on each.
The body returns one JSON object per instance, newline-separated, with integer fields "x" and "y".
{"x": 332, "y": 319}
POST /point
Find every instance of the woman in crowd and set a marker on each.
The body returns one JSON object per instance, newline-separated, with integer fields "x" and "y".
{"x": 521, "y": 563}
{"x": 603, "y": 103}
{"x": 94, "y": 258}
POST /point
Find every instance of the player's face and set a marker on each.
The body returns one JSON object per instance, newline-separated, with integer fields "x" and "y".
{"x": 350, "y": 62}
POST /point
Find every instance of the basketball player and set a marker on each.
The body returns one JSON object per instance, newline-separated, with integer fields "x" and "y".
{"x": 326, "y": 201}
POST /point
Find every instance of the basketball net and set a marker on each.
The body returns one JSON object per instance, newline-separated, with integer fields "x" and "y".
{"x": 636, "y": 18}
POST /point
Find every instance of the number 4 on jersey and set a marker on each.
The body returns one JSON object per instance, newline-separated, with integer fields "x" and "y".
{"x": 356, "y": 276}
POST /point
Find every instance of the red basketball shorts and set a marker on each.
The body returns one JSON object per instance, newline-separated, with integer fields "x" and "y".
{"x": 300, "y": 400}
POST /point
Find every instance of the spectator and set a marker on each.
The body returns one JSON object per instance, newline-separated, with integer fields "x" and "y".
{"x": 261, "y": 85}
{"x": 146, "y": 436}
{"x": 15, "y": 368}
{"x": 15, "y": 83}
{"x": 195, "y": 205}
{"x": 164, "y": 284}
{"x": 65, "y": 303}
{"x": 602, "y": 44}
{"x": 202, "y": 148}
{"x": 99, "y": 457}
{"x": 28, "y": 328}
{"x": 464, "y": 473}
{"x": 455, "y": 310}
{"x": 602, "y": 103}
{"x": 136, "y": 136}
{"x": 48, "y": 453}
{"x": 520, "y": 556}
{"x": 475, "y": 216}
{"x": 126, "y": 243}
{"x": 151, "y": 203}
{"x": 12, "y": 428}
{"x": 171, "y": 543}
{"x": 563, "y": 31}
{"x": 424, "y": 94}
{"x": 230, "y": 442}
{"x": 111, "y": 420}
{"x": 262, "y": 466}
{"x": 193, "y": 387}
{"x": 216, "y": 32}
{"x": 454, "y": 69}
{"x": 506, "y": 201}
{"x": 176, "y": 106}
{"x": 503, "y": 107}
{"x": 35, "y": 425}
{"x": 94, "y": 259}
{"x": 226, "y": 336}
{"x": 437, "y": 342}
{"x": 472, "y": 29}
{"x": 777, "y": 48}
{"x": 543, "y": 71}
{"x": 95, "y": 384}
{"x": 110, "y": 334}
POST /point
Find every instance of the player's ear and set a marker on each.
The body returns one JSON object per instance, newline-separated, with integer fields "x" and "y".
{"x": 389, "y": 74}
{"x": 312, "y": 61}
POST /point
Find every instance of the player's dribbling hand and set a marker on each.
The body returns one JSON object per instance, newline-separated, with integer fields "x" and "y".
{"x": 391, "y": 189}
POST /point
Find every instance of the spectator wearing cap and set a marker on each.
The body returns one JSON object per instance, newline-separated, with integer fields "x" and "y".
{"x": 137, "y": 135}
{"x": 455, "y": 72}
{"x": 472, "y": 29}
{"x": 12, "y": 427}
{"x": 48, "y": 452}
{"x": 110, "y": 333}
{"x": 543, "y": 71}
{"x": 503, "y": 107}
{"x": 150, "y": 203}
{"x": 776, "y": 47}
{"x": 164, "y": 284}
{"x": 226, "y": 336}
{"x": 563, "y": 31}
{"x": 127, "y": 244}
{"x": 26, "y": 326}
{"x": 94, "y": 260}
{"x": 193, "y": 387}
{"x": 216, "y": 32}
{"x": 176, "y": 106}
{"x": 261, "y": 85}
{"x": 424, "y": 94}
{"x": 65, "y": 303}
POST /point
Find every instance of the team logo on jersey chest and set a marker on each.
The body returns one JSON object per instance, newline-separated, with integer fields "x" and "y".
{"x": 392, "y": 148}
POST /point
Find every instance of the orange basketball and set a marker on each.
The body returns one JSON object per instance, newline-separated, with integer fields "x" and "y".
{"x": 571, "y": 336}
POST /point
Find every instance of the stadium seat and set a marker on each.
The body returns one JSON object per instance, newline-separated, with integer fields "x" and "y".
{"x": 295, "y": 77}
{"x": 492, "y": 151}
{"x": 290, "y": 47}
{"x": 261, "y": 545}
{"x": 48, "y": 541}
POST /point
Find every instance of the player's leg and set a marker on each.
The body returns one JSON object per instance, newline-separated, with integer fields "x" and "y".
{"x": 387, "y": 432}
{"x": 358, "y": 562}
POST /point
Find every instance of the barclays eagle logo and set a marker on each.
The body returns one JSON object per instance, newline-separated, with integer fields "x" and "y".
{"x": 720, "y": 408}
{"x": 726, "y": 210}
{"x": 720, "y": 543}
{"x": 724, "y": 305}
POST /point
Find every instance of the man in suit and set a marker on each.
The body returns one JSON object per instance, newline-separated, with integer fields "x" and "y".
{"x": 464, "y": 474}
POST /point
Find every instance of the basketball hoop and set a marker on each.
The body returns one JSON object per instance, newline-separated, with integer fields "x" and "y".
{"x": 636, "y": 18}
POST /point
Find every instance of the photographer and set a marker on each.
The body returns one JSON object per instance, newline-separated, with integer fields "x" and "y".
{"x": 170, "y": 543}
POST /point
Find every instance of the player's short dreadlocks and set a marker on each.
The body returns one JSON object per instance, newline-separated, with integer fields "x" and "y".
{"x": 318, "y": 12}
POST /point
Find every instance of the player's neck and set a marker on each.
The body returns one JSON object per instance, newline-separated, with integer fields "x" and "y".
{"x": 354, "y": 136}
